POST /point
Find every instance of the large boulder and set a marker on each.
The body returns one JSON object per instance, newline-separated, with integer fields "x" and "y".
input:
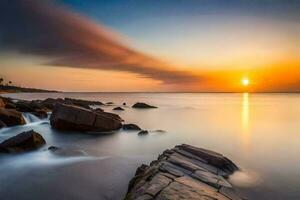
{"x": 70, "y": 117}
{"x": 11, "y": 117}
{"x": 34, "y": 107}
{"x": 25, "y": 141}
{"x": 142, "y": 105}
{"x": 184, "y": 172}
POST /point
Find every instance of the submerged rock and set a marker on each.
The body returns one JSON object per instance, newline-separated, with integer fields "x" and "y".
{"x": 131, "y": 127}
{"x": 66, "y": 152}
{"x": 118, "y": 108}
{"x": 69, "y": 117}
{"x": 22, "y": 142}
{"x": 186, "y": 173}
{"x": 142, "y": 105}
{"x": 143, "y": 132}
{"x": 11, "y": 117}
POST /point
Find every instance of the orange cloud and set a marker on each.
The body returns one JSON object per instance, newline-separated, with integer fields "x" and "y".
{"x": 40, "y": 28}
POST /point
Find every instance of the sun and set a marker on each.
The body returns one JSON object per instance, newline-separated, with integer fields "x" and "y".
{"x": 245, "y": 82}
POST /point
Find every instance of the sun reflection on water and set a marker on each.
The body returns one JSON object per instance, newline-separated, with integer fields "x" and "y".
{"x": 245, "y": 121}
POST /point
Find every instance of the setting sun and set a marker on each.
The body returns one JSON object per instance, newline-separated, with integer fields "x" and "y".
{"x": 245, "y": 82}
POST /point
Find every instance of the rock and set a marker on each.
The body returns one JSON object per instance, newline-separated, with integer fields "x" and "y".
{"x": 212, "y": 158}
{"x": 118, "y": 108}
{"x": 82, "y": 103}
{"x": 160, "y": 131}
{"x": 50, "y": 102}
{"x": 22, "y": 142}
{"x": 42, "y": 114}
{"x": 66, "y": 152}
{"x": 98, "y": 110}
{"x": 110, "y": 103}
{"x": 2, "y": 104}
{"x": 124, "y": 104}
{"x": 69, "y": 117}
{"x": 177, "y": 176}
{"x": 143, "y": 132}
{"x": 10, "y": 106}
{"x": 11, "y": 117}
{"x": 142, "y": 105}
{"x": 53, "y": 148}
{"x": 2, "y": 124}
{"x": 131, "y": 127}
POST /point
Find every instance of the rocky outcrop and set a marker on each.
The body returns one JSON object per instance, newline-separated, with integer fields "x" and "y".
{"x": 82, "y": 103}
{"x": 50, "y": 102}
{"x": 142, "y": 105}
{"x": 11, "y": 117}
{"x": 69, "y": 117}
{"x": 131, "y": 127}
{"x": 118, "y": 108}
{"x": 186, "y": 173}
{"x": 34, "y": 107}
{"x": 22, "y": 142}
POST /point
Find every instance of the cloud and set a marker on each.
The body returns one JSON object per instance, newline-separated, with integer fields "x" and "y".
{"x": 42, "y": 28}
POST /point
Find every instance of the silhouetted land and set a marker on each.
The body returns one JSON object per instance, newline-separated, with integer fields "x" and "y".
{"x": 10, "y": 88}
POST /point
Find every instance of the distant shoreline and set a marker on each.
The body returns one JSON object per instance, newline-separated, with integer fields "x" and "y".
{"x": 14, "y": 89}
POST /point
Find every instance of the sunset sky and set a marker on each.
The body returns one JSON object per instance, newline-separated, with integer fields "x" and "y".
{"x": 151, "y": 45}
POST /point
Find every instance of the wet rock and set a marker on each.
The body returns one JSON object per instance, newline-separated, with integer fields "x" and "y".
{"x": 69, "y": 117}
{"x": 142, "y": 105}
{"x": 42, "y": 114}
{"x": 10, "y": 106}
{"x": 143, "y": 132}
{"x": 131, "y": 127}
{"x": 118, "y": 108}
{"x": 2, "y": 124}
{"x": 98, "y": 110}
{"x": 11, "y": 117}
{"x": 182, "y": 176}
{"x": 2, "y": 104}
{"x": 81, "y": 103}
{"x": 22, "y": 142}
{"x": 50, "y": 102}
{"x": 53, "y": 148}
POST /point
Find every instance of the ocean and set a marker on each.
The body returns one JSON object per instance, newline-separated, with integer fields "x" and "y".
{"x": 259, "y": 132}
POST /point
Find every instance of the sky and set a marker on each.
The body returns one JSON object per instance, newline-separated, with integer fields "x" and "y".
{"x": 149, "y": 45}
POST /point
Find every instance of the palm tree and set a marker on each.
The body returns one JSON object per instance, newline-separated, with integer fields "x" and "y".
{"x": 9, "y": 82}
{"x": 1, "y": 81}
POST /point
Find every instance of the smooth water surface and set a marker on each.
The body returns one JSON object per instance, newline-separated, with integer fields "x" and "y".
{"x": 259, "y": 132}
